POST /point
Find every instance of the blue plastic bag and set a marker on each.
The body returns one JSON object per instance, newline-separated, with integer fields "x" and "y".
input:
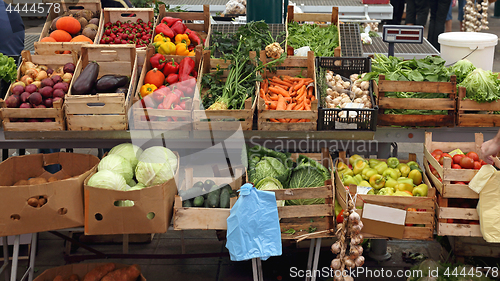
{"x": 253, "y": 228}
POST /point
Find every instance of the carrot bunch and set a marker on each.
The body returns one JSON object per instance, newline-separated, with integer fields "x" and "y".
{"x": 287, "y": 93}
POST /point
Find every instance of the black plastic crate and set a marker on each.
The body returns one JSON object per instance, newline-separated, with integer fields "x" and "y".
{"x": 275, "y": 28}
{"x": 329, "y": 118}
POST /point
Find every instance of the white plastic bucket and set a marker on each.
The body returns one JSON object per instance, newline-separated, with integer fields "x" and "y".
{"x": 457, "y": 45}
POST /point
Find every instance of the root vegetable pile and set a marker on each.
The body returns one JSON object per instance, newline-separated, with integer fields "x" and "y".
{"x": 347, "y": 248}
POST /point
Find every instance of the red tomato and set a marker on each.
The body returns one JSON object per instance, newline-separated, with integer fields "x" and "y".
{"x": 449, "y": 221}
{"x": 438, "y": 151}
{"x": 467, "y": 162}
{"x": 473, "y": 155}
{"x": 437, "y": 157}
{"x": 446, "y": 155}
{"x": 474, "y": 222}
{"x": 483, "y": 163}
{"x": 457, "y": 157}
{"x": 477, "y": 165}
{"x": 441, "y": 160}
{"x": 434, "y": 154}
{"x": 456, "y": 166}
{"x": 435, "y": 173}
{"x": 458, "y": 182}
{"x": 340, "y": 217}
{"x": 432, "y": 168}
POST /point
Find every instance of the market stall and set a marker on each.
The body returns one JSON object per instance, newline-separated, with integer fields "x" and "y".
{"x": 301, "y": 123}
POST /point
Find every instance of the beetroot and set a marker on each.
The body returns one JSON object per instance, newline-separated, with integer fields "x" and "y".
{"x": 25, "y": 105}
{"x": 61, "y": 85}
{"x": 56, "y": 79}
{"x": 13, "y": 101}
{"x": 35, "y": 98}
{"x": 46, "y": 92}
{"x": 24, "y": 96}
{"x": 58, "y": 93}
{"x": 30, "y": 88}
{"x": 17, "y": 90}
{"x": 47, "y": 82}
{"x": 48, "y": 102}
{"x": 69, "y": 67}
{"x": 55, "y": 99}
{"x": 40, "y": 106}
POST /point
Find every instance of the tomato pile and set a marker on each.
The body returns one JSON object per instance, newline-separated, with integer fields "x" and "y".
{"x": 462, "y": 203}
{"x": 459, "y": 161}
{"x": 138, "y": 33}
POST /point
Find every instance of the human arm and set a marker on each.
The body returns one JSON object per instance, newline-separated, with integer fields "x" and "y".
{"x": 490, "y": 148}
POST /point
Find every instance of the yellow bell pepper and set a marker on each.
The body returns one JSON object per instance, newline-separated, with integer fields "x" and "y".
{"x": 161, "y": 38}
{"x": 181, "y": 49}
{"x": 147, "y": 89}
{"x": 191, "y": 54}
{"x": 182, "y": 38}
{"x": 167, "y": 48}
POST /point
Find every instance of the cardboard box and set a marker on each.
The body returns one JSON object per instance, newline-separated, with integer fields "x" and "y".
{"x": 64, "y": 207}
{"x": 151, "y": 213}
{"x": 80, "y": 269}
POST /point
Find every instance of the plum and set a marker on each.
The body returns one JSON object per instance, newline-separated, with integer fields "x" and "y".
{"x": 35, "y": 98}
{"x": 31, "y": 88}
{"x": 13, "y": 101}
{"x": 46, "y": 92}
{"x": 17, "y": 90}
{"x": 47, "y": 82}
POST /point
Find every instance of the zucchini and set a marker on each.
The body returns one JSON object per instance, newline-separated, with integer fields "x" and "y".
{"x": 191, "y": 193}
{"x": 224, "y": 198}
{"x": 213, "y": 199}
{"x": 207, "y": 185}
{"x": 199, "y": 201}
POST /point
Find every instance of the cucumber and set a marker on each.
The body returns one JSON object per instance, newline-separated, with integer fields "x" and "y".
{"x": 199, "y": 201}
{"x": 191, "y": 193}
{"x": 213, "y": 199}
{"x": 187, "y": 203}
{"x": 224, "y": 198}
{"x": 208, "y": 184}
{"x": 198, "y": 184}
{"x": 226, "y": 186}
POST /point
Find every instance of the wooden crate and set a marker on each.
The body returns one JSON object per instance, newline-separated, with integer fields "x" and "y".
{"x": 447, "y": 174}
{"x": 220, "y": 120}
{"x": 203, "y": 29}
{"x": 472, "y": 113}
{"x": 384, "y": 103}
{"x": 199, "y": 217}
{"x": 103, "y": 111}
{"x": 426, "y": 217}
{"x": 156, "y": 115}
{"x": 294, "y": 66}
{"x": 46, "y": 48}
{"x": 57, "y": 113}
{"x": 315, "y": 17}
{"x": 447, "y": 190}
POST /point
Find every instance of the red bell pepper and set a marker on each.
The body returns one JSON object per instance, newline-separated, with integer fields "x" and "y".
{"x": 186, "y": 67}
{"x": 172, "y": 78}
{"x": 171, "y": 67}
{"x": 178, "y": 28}
{"x": 170, "y": 20}
{"x": 165, "y": 30}
{"x": 157, "y": 61}
{"x": 193, "y": 36}
{"x": 170, "y": 99}
{"x": 187, "y": 86}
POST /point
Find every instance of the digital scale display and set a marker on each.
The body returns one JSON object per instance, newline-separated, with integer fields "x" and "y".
{"x": 403, "y": 34}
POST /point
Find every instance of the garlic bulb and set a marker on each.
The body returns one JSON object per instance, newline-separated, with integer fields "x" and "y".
{"x": 336, "y": 248}
{"x": 359, "y": 261}
{"x": 354, "y": 217}
{"x": 349, "y": 263}
{"x": 335, "y": 264}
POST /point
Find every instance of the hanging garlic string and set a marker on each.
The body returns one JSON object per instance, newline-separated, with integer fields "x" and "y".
{"x": 475, "y": 16}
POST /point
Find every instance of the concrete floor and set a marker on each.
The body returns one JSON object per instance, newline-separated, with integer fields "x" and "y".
{"x": 51, "y": 248}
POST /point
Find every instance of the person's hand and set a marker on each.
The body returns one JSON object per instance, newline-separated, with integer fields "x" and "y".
{"x": 489, "y": 149}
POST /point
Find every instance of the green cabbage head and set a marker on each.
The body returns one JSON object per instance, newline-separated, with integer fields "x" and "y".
{"x": 270, "y": 183}
{"x": 156, "y": 165}
{"x": 118, "y": 164}
{"x": 128, "y": 151}
{"x": 270, "y": 167}
{"x": 108, "y": 179}
{"x": 303, "y": 176}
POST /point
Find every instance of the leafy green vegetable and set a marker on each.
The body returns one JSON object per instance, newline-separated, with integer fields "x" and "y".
{"x": 108, "y": 180}
{"x": 117, "y": 164}
{"x": 290, "y": 231}
{"x": 482, "y": 86}
{"x": 270, "y": 167}
{"x": 307, "y": 175}
{"x": 8, "y": 68}
{"x": 461, "y": 69}
{"x": 270, "y": 183}
{"x": 321, "y": 40}
{"x": 312, "y": 229}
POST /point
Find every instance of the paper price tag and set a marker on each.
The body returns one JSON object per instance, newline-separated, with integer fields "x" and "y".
{"x": 383, "y": 221}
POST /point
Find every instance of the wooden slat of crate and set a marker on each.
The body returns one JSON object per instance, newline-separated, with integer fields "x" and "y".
{"x": 139, "y": 113}
{"x": 465, "y": 118}
{"x": 448, "y": 174}
{"x": 426, "y": 217}
{"x": 103, "y": 111}
{"x": 296, "y": 66}
{"x": 315, "y": 17}
{"x": 67, "y": 5}
{"x": 203, "y": 29}
{"x": 384, "y": 103}
{"x": 203, "y": 218}
{"x": 57, "y": 112}
{"x": 216, "y": 123}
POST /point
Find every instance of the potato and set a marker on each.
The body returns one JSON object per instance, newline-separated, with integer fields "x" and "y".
{"x": 129, "y": 273}
{"x": 99, "y": 272}
{"x": 34, "y": 181}
{"x": 42, "y": 201}
{"x": 74, "y": 277}
{"x": 22, "y": 182}
{"x": 58, "y": 278}
{"x": 33, "y": 202}
{"x": 52, "y": 179}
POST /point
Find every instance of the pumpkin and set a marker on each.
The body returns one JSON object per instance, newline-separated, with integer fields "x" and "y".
{"x": 81, "y": 38}
{"x": 69, "y": 24}
{"x": 48, "y": 39}
{"x": 60, "y": 35}
{"x": 155, "y": 77}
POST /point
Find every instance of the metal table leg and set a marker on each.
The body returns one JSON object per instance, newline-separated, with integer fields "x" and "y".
{"x": 257, "y": 269}
{"x": 310, "y": 258}
{"x": 316, "y": 258}
{"x": 5, "y": 266}
{"x": 15, "y": 258}
{"x": 31, "y": 269}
